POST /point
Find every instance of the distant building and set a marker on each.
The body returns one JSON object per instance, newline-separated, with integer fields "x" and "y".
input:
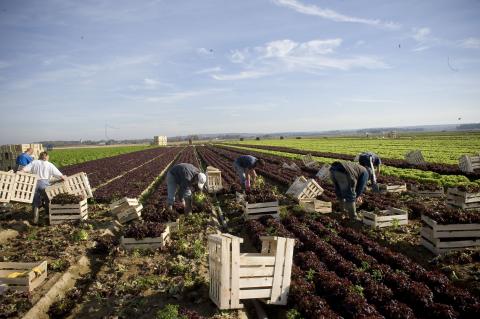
{"x": 160, "y": 140}
{"x": 392, "y": 134}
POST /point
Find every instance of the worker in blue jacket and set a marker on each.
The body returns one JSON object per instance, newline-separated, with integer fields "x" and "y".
{"x": 372, "y": 163}
{"x": 245, "y": 167}
{"x": 24, "y": 159}
{"x": 350, "y": 180}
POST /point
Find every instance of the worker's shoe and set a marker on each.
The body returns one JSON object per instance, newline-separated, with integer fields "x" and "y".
{"x": 351, "y": 210}
{"x": 341, "y": 207}
{"x": 35, "y": 215}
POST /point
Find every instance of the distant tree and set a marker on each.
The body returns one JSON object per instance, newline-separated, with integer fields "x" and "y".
{"x": 298, "y": 137}
{"x": 241, "y": 139}
{"x": 281, "y": 137}
{"x": 257, "y": 138}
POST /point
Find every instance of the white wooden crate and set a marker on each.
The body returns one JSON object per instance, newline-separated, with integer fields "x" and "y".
{"x": 257, "y": 210}
{"x": 464, "y": 200}
{"x": 122, "y": 204}
{"x": 302, "y": 188}
{"x": 23, "y": 276}
{"x": 292, "y": 166}
{"x": 214, "y": 179}
{"x": 76, "y": 184}
{"x": 414, "y": 157}
{"x": 7, "y": 180}
{"x": 427, "y": 193}
{"x": 393, "y": 188}
{"x": 59, "y": 214}
{"x": 444, "y": 238}
{"x": 129, "y": 214}
{"x": 387, "y": 218}
{"x": 235, "y": 276}
{"x": 309, "y": 162}
{"x": 315, "y": 205}
{"x": 150, "y": 243}
{"x": 469, "y": 164}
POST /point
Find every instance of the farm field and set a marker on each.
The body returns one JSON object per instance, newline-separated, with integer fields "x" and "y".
{"x": 70, "y": 156}
{"x": 436, "y": 147}
{"x": 341, "y": 269}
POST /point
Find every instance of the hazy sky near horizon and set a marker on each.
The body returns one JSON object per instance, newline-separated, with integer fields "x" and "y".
{"x": 149, "y": 67}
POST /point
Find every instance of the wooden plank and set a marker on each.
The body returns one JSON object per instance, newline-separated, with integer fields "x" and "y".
{"x": 252, "y": 259}
{"x": 440, "y": 227}
{"x": 287, "y": 271}
{"x": 254, "y": 293}
{"x": 261, "y": 205}
{"x": 277, "y": 275}
{"x": 255, "y": 282}
{"x": 256, "y": 271}
{"x": 236, "y": 281}
{"x": 225, "y": 274}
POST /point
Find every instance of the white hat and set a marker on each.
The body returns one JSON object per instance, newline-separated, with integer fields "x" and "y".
{"x": 202, "y": 179}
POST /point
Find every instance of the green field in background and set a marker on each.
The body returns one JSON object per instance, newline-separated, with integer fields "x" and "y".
{"x": 64, "y": 157}
{"x": 438, "y": 147}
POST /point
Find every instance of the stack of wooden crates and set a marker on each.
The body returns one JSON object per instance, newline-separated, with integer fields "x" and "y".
{"x": 9, "y": 154}
{"x": 235, "y": 276}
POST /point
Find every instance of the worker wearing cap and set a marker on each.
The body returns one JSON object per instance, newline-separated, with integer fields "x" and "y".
{"x": 24, "y": 159}
{"x": 350, "y": 180}
{"x": 183, "y": 176}
{"x": 245, "y": 167}
{"x": 45, "y": 170}
{"x": 371, "y": 162}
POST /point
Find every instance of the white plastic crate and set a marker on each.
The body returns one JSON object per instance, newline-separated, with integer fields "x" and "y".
{"x": 414, "y": 157}
{"x": 469, "y": 164}
{"x": 309, "y": 162}
{"x": 324, "y": 173}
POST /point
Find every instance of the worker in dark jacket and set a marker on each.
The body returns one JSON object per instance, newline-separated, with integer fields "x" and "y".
{"x": 182, "y": 177}
{"x": 245, "y": 167}
{"x": 350, "y": 180}
{"x": 371, "y": 162}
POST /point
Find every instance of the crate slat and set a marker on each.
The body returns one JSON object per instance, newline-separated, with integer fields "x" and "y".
{"x": 147, "y": 243}
{"x": 387, "y": 218}
{"x": 257, "y": 210}
{"x": 302, "y": 188}
{"x": 24, "y": 283}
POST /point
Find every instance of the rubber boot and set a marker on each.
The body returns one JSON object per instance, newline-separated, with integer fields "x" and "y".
{"x": 351, "y": 209}
{"x": 341, "y": 207}
{"x": 35, "y": 215}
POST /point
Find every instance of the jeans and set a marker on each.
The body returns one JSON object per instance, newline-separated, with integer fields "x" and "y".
{"x": 240, "y": 172}
{"x": 40, "y": 192}
{"x": 172, "y": 190}
{"x": 343, "y": 188}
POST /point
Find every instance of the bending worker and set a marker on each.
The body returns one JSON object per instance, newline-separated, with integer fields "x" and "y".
{"x": 24, "y": 159}
{"x": 45, "y": 170}
{"x": 372, "y": 163}
{"x": 245, "y": 167}
{"x": 350, "y": 180}
{"x": 183, "y": 176}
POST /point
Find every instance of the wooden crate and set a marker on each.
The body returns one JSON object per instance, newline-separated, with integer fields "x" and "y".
{"x": 393, "y": 188}
{"x": 414, "y": 157}
{"x": 324, "y": 173}
{"x": 427, "y": 193}
{"x": 235, "y": 276}
{"x": 257, "y": 210}
{"x": 59, "y": 214}
{"x": 315, "y": 205}
{"x": 309, "y": 162}
{"x": 464, "y": 200}
{"x": 7, "y": 181}
{"x": 214, "y": 179}
{"x": 132, "y": 213}
{"x": 150, "y": 243}
{"x": 469, "y": 164}
{"x": 24, "y": 187}
{"x": 23, "y": 276}
{"x": 76, "y": 184}
{"x": 302, "y": 188}
{"x": 387, "y": 218}
{"x": 444, "y": 238}
{"x": 122, "y": 204}
{"x": 292, "y": 167}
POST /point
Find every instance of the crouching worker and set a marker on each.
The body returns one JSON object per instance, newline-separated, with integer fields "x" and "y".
{"x": 372, "y": 163}
{"x": 45, "y": 170}
{"x": 245, "y": 167}
{"x": 182, "y": 177}
{"x": 350, "y": 180}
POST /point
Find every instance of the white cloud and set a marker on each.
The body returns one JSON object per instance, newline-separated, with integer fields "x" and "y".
{"x": 421, "y": 48}
{"x": 371, "y": 100}
{"x": 289, "y": 56}
{"x": 470, "y": 43}
{"x": 170, "y": 98}
{"x": 421, "y": 34}
{"x": 238, "y": 56}
{"x": 332, "y": 15}
{"x": 204, "y": 51}
{"x": 209, "y": 70}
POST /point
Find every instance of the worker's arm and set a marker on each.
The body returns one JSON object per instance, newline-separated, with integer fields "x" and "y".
{"x": 361, "y": 184}
{"x": 26, "y": 169}
{"x": 378, "y": 170}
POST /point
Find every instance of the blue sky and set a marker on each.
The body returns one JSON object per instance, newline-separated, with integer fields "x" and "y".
{"x": 145, "y": 68}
